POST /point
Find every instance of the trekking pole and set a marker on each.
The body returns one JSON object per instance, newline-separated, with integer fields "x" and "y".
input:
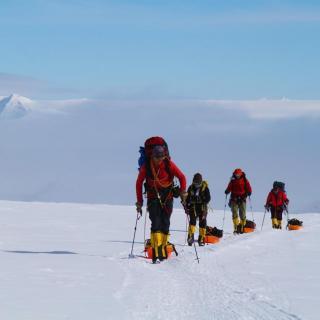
{"x": 265, "y": 211}
{"x": 195, "y": 248}
{"x": 139, "y": 214}
{"x": 224, "y": 211}
{"x": 186, "y": 233}
{"x": 194, "y": 244}
{"x": 144, "y": 232}
{"x": 251, "y": 208}
{"x": 287, "y": 211}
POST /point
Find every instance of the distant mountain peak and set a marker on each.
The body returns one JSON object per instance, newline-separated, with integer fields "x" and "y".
{"x": 14, "y": 106}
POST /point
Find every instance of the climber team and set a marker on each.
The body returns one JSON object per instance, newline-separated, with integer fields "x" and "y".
{"x": 156, "y": 174}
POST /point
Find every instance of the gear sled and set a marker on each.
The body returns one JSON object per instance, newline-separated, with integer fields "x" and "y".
{"x": 250, "y": 226}
{"x": 294, "y": 224}
{"x": 213, "y": 235}
{"x": 169, "y": 249}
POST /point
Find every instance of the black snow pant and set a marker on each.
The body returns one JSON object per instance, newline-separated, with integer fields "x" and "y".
{"x": 276, "y": 213}
{"x": 160, "y": 215}
{"x": 198, "y": 211}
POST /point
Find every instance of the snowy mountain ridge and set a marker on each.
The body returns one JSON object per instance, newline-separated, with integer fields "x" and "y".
{"x": 15, "y": 106}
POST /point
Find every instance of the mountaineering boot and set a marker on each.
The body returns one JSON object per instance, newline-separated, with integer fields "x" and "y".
{"x": 155, "y": 238}
{"x": 191, "y": 231}
{"x": 152, "y": 240}
{"x": 242, "y": 224}
{"x": 202, "y": 234}
{"x": 279, "y": 224}
{"x": 235, "y": 225}
{"x": 165, "y": 240}
{"x": 275, "y": 223}
{"x": 159, "y": 239}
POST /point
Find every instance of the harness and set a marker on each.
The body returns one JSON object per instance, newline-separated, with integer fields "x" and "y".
{"x": 197, "y": 197}
{"x": 166, "y": 191}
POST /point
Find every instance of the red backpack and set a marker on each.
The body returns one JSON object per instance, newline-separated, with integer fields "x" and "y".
{"x": 155, "y": 141}
{"x": 146, "y": 153}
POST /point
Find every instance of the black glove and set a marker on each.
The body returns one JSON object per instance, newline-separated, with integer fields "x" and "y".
{"x": 183, "y": 197}
{"x": 139, "y": 207}
{"x": 226, "y": 192}
{"x": 249, "y": 194}
{"x": 267, "y": 207}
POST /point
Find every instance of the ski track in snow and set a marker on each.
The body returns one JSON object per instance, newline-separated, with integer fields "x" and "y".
{"x": 73, "y": 262}
{"x": 206, "y": 290}
{"x": 204, "y": 293}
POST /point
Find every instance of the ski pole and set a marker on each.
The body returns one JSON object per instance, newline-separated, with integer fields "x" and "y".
{"x": 287, "y": 210}
{"x": 251, "y": 208}
{"x": 144, "y": 232}
{"x": 139, "y": 214}
{"x": 186, "y": 233}
{"x": 265, "y": 210}
{"x": 194, "y": 245}
{"x": 224, "y": 211}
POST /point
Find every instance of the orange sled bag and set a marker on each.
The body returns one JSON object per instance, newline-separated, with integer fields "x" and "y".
{"x": 213, "y": 235}
{"x": 168, "y": 249}
{"x": 294, "y": 224}
{"x": 249, "y": 227}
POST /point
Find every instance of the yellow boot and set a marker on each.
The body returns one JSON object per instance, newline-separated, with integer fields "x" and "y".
{"x": 165, "y": 240}
{"x": 159, "y": 244}
{"x": 242, "y": 224}
{"x": 156, "y": 242}
{"x": 275, "y": 223}
{"x": 191, "y": 231}
{"x": 235, "y": 224}
{"x": 279, "y": 224}
{"x": 202, "y": 234}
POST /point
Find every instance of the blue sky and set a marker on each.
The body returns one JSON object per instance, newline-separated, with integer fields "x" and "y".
{"x": 161, "y": 49}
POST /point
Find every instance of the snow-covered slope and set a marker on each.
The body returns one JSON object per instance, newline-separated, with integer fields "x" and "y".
{"x": 70, "y": 261}
{"x": 15, "y": 106}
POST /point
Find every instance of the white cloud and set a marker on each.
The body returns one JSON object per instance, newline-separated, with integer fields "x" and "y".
{"x": 271, "y": 109}
{"x": 262, "y": 109}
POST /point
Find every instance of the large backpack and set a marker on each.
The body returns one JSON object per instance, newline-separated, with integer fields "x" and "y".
{"x": 146, "y": 151}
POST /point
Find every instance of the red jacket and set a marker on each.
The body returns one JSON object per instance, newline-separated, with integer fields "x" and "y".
{"x": 239, "y": 187}
{"x": 277, "y": 200}
{"x": 162, "y": 180}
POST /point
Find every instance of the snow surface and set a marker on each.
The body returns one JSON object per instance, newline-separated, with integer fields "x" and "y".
{"x": 70, "y": 261}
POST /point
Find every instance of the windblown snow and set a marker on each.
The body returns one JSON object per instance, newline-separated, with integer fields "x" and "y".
{"x": 70, "y": 261}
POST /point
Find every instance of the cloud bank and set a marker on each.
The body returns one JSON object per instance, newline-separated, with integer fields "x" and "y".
{"x": 87, "y": 150}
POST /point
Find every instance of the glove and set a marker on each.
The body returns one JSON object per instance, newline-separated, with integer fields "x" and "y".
{"x": 226, "y": 192}
{"x": 139, "y": 207}
{"x": 183, "y": 197}
{"x": 267, "y": 207}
